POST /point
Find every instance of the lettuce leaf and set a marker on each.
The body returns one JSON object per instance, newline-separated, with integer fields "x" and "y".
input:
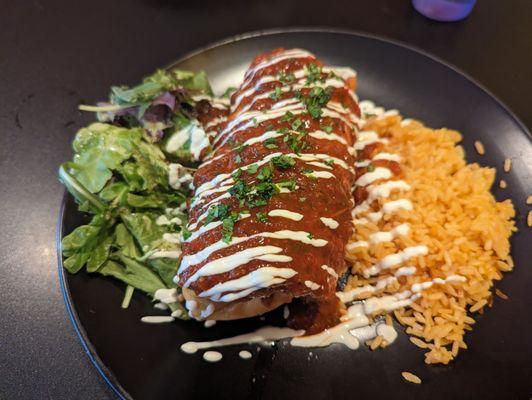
{"x": 100, "y": 149}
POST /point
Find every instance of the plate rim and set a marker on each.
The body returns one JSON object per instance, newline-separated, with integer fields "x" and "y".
{"x": 351, "y": 32}
{"x": 107, "y": 375}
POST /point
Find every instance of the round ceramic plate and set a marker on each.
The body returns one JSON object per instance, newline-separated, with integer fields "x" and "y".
{"x": 144, "y": 361}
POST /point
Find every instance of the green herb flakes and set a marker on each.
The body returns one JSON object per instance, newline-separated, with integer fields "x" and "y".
{"x": 262, "y": 217}
{"x": 283, "y": 161}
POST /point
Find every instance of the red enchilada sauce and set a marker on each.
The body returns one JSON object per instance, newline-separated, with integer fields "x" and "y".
{"x": 272, "y": 208}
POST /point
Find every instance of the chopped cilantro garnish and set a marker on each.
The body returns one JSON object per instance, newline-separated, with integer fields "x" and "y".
{"x": 263, "y": 192}
{"x": 276, "y": 94}
{"x": 316, "y": 100}
{"x": 270, "y": 143}
{"x": 308, "y": 173}
{"x": 185, "y": 232}
{"x": 252, "y": 168}
{"x": 237, "y": 173}
{"x": 327, "y": 128}
{"x": 297, "y": 124}
{"x": 255, "y": 122}
{"x": 217, "y": 212}
{"x": 228, "y": 224}
{"x": 314, "y": 73}
{"x": 330, "y": 163}
{"x": 238, "y": 159}
{"x": 239, "y": 190}
{"x": 302, "y": 199}
{"x": 288, "y": 116}
{"x": 295, "y": 141}
{"x": 283, "y": 161}
{"x": 290, "y": 185}
{"x": 262, "y": 217}
{"x": 287, "y": 78}
{"x": 265, "y": 173}
{"x": 371, "y": 168}
{"x": 253, "y": 196}
{"x": 310, "y": 236}
{"x": 238, "y": 147}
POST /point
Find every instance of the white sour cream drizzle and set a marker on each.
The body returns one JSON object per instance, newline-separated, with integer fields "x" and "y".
{"x": 202, "y": 255}
{"x": 244, "y": 354}
{"x": 329, "y": 222}
{"x": 173, "y": 254}
{"x": 379, "y": 237}
{"x": 209, "y": 323}
{"x": 393, "y": 206}
{"x": 160, "y": 306}
{"x": 285, "y": 55}
{"x": 320, "y": 174}
{"x": 166, "y": 296}
{"x": 157, "y": 319}
{"x": 365, "y": 138}
{"x": 286, "y": 214}
{"x": 312, "y": 285}
{"x": 354, "y": 328}
{"x": 331, "y": 271}
{"x": 370, "y": 177}
{"x": 395, "y": 259}
{"x": 230, "y": 262}
{"x": 212, "y": 356}
{"x": 258, "y": 279}
{"x": 265, "y": 334}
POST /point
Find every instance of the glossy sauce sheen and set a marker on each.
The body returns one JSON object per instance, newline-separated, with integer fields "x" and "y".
{"x": 326, "y": 191}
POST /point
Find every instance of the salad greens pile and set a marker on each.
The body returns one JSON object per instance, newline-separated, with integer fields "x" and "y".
{"x": 163, "y": 104}
{"x": 121, "y": 176}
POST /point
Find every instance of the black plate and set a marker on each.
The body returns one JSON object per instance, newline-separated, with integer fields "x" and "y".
{"x": 144, "y": 361}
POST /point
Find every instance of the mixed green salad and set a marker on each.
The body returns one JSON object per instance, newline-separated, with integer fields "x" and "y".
{"x": 134, "y": 189}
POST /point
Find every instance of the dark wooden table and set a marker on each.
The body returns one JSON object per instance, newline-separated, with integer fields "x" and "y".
{"x": 55, "y": 54}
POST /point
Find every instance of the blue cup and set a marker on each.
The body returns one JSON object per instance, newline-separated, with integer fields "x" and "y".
{"x": 444, "y": 10}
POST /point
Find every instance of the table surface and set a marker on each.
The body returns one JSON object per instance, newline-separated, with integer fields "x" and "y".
{"x": 56, "y": 54}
